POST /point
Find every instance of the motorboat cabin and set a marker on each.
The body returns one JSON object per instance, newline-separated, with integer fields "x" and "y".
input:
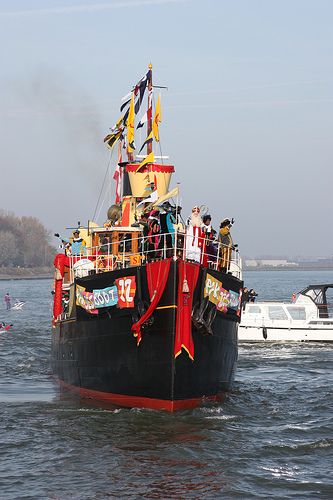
{"x": 308, "y": 318}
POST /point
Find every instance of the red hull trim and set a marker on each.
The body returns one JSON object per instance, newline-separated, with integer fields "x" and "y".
{"x": 141, "y": 402}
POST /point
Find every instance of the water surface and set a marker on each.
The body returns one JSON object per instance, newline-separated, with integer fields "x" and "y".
{"x": 272, "y": 437}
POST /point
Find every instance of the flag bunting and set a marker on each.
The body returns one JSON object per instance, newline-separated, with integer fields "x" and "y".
{"x": 149, "y": 159}
{"x": 157, "y": 119}
{"x": 149, "y": 140}
{"x": 130, "y": 127}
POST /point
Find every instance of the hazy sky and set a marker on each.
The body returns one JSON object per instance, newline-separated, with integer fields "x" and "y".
{"x": 247, "y": 117}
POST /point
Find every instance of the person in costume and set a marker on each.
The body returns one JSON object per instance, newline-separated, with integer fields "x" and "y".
{"x": 154, "y": 236}
{"x": 167, "y": 221}
{"x": 194, "y": 236}
{"x": 226, "y": 244}
{"x": 75, "y": 245}
{"x": 210, "y": 250}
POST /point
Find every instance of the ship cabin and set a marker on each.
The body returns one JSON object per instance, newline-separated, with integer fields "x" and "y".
{"x": 116, "y": 246}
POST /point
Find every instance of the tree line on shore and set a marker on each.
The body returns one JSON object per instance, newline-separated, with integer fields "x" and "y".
{"x": 24, "y": 242}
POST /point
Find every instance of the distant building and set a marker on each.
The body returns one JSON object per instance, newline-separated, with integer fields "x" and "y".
{"x": 269, "y": 263}
{"x": 251, "y": 263}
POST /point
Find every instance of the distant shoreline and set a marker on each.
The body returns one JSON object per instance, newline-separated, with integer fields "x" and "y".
{"x": 21, "y": 273}
{"x": 11, "y": 278}
{"x": 31, "y": 275}
{"x": 286, "y": 268}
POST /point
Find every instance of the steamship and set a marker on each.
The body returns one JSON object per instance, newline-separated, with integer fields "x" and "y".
{"x": 139, "y": 318}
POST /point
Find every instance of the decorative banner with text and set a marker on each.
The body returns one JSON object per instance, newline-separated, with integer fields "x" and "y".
{"x": 106, "y": 297}
{"x": 222, "y": 298}
{"x": 121, "y": 294}
{"x": 85, "y": 299}
{"x": 126, "y": 291}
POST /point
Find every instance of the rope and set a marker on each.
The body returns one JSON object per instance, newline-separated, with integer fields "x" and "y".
{"x": 103, "y": 183}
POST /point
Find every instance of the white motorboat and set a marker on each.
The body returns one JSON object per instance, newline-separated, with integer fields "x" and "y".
{"x": 308, "y": 318}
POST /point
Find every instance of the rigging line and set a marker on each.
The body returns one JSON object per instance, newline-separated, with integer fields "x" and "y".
{"x": 106, "y": 173}
{"x": 102, "y": 205}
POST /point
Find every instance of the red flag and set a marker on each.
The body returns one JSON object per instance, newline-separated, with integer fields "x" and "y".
{"x": 117, "y": 176}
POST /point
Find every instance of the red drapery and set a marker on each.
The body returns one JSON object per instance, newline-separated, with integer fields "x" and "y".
{"x": 157, "y": 277}
{"x": 59, "y": 263}
{"x": 189, "y": 272}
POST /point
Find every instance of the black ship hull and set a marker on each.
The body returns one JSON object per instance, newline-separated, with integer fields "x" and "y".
{"x": 98, "y": 357}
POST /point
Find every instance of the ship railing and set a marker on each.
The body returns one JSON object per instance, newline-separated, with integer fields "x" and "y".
{"x": 152, "y": 248}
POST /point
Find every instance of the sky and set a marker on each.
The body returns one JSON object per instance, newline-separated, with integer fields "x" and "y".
{"x": 247, "y": 113}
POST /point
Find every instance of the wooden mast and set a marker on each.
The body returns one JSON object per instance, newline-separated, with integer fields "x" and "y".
{"x": 150, "y": 118}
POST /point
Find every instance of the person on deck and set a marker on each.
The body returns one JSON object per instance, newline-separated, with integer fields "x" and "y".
{"x": 245, "y": 297}
{"x": 252, "y": 295}
{"x": 194, "y": 236}
{"x": 210, "y": 250}
{"x": 226, "y": 244}
{"x": 154, "y": 235}
{"x": 167, "y": 221}
{"x": 77, "y": 244}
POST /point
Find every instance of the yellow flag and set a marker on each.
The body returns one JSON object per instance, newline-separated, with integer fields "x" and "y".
{"x": 130, "y": 127}
{"x": 111, "y": 139}
{"x": 149, "y": 159}
{"x": 119, "y": 122}
{"x": 157, "y": 119}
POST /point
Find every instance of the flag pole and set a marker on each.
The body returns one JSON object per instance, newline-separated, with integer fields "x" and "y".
{"x": 149, "y": 121}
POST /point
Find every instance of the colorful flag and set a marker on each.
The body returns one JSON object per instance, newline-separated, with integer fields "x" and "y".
{"x": 157, "y": 119}
{"x": 151, "y": 199}
{"x": 149, "y": 159}
{"x": 130, "y": 127}
{"x": 111, "y": 139}
{"x": 117, "y": 176}
{"x": 125, "y": 104}
{"x": 140, "y": 88}
{"x": 141, "y": 92}
{"x": 149, "y": 140}
{"x": 147, "y": 116}
{"x": 118, "y": 124}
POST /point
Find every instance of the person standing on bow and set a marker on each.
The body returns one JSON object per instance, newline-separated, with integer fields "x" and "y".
{"x": 226, "y": 244}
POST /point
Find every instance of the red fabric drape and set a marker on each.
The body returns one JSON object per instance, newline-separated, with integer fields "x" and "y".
{"x": 60, "y": 261}
{"x": 183, "y": 339}
{"x": 157, "y": 277}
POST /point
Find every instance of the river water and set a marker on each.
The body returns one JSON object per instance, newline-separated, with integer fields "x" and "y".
{"x": 272, "y": 437}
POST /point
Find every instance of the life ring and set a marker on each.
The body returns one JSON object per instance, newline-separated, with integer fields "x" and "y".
{"x": 293, "y": 297}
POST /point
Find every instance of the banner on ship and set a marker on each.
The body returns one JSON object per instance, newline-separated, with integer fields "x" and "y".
{"x": 223, "y": 299}
{"x": 121, "y": 294}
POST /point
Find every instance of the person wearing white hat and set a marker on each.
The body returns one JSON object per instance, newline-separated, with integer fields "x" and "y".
{"x": 194, "y": 235}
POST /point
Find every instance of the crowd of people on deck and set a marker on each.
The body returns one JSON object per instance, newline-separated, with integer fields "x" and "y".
{"x": 197, "y": 240}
